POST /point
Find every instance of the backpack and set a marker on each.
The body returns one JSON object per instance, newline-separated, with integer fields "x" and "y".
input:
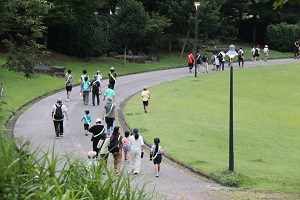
{"x": 58, "y": 112}
{"x": 95, "y": 86}
{"x": 213, "y": 59}
{"x": 256, "y": 52}
{"x": 86, "y": 86}
{"x": 220, "y": 57}
{"x": 114, "y": 144}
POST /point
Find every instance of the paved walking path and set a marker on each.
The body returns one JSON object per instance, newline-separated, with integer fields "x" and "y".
{"x": 36, "y": 125}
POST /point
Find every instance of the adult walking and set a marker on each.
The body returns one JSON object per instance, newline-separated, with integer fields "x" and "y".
{"x": 109, "y": 113}
{"x": 117, "y": 155}
{"x": 241, "y": 57}
{"x": 296, "y": 49}
{"x": 204, "y": 63}
{"x": 69, "y": 84}
{"x": 112, "y": 77}
{"x": 85, "y": 90}
{"x": 59, "y": 111}
{"x": 221, "y": 57}
{"x": 266, "y": 52}
{"x": 99, "y": 78}
{"x": 98, "y": 132}
{"x": 109, "y": 93}
{"x": 190, "y": 60}
{"x": 83, "y": 75}
{"x": 145, "y": 98}
{"x": 137, "y": 151}
{"x": 95, "y": 84}
{"x": 198, "y": 62}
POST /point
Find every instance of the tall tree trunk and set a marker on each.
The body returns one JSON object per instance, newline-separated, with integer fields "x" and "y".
{"x": 125, "y": 49}
{"x": 186, "y": 39}
{"x": 254, "y": 29}
{"x": 170, "y": 46}
{"x": 45, "y": 38}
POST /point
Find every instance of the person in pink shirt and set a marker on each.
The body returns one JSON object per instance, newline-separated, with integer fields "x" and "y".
{"x": 126, "y": 146}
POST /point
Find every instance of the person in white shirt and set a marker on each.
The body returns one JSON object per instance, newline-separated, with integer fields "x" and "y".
{"x": 266, "y": 52}
{"x": 137, "y": 151}
{"x": 99, "y": 77}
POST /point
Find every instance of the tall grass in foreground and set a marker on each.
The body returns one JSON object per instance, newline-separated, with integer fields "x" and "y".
{"x": 30, "y": 175}
{"x": 191, "y": 117}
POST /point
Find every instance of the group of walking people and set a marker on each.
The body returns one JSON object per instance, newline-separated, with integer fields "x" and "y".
{"x": 218, "y": 59}
{"x": 107, "y": 140}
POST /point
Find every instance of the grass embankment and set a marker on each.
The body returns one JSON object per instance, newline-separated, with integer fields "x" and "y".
{"x": 194, "y": 124}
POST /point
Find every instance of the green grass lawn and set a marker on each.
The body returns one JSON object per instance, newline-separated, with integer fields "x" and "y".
{"x": 194, "y": 124}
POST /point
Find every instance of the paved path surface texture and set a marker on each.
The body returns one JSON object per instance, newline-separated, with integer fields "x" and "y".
{"x": 175, "y": 182}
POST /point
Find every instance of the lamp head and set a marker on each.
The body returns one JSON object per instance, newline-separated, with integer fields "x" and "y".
{"x": 231, "y": 53}
{"x": 197, "y": 5}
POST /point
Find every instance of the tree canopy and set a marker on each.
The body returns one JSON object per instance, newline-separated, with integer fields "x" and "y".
{"x": 95, "y": 27}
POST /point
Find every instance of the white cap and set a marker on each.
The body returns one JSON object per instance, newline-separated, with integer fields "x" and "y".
{"x": 91, "y": 154}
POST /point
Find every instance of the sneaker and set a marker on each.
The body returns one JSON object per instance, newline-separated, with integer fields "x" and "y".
{"x": 157, "y": 174}
{"x": 61, "y": 135}
{"x": 86, "y": 134}
{"x": 135, "y": 173}
{"x": 67, "y": 100}
{"x": 57, "y": 137}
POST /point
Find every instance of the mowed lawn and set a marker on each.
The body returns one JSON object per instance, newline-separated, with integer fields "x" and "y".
{"x": 191, "y": 117}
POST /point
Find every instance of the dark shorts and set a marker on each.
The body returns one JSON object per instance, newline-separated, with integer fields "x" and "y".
{"x": 191, "y": 65}
{"x": 86, "y": 126}
{"x": 69, "y": 88}
{"x": 157, "y": 160}
{"x": 145, "y": 103}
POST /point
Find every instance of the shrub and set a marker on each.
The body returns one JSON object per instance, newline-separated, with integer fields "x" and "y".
{"x": 228, "y": 178}
{"x": 282, "y": 36}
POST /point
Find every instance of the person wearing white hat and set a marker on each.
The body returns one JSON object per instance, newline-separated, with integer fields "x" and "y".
{"x": 98, "y": 132}
{"x": 99, "y": 78}
{"x": 112, "y": 76}
{"x": 266, "y": 52}
{"x": 91, "y": 163}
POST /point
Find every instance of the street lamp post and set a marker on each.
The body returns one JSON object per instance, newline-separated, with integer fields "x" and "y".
{"x": 197, "y": 5}
{"x": 231, "y": 53}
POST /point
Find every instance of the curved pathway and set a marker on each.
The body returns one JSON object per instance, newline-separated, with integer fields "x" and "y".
{"x": 36, "y": 125}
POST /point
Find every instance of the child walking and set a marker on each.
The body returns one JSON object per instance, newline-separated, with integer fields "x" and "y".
{"x": 156, "y": 152}
{"x": 126, "y": 146}
{"x": 86, "y": 121}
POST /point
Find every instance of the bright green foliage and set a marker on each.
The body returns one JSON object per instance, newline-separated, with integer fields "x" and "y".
{"x": 195, "y": 122}
{"x": 155, "y": 31}
{"x": 130, "y": 22}
{"x": 282, "y": 36}
{"x": 37, "y": 175}
{"x": 25, "y": 27}
{"x": 90, "y": 38}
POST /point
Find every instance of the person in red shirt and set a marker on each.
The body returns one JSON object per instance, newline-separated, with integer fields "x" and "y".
{"x": 190, "y": 60}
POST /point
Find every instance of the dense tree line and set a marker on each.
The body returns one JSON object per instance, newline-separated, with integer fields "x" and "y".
{"x": 90, "y": 28}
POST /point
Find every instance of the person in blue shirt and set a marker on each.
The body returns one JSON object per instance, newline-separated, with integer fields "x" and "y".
{"x": 109, "y": 93}
{"x": 86, "y": 118}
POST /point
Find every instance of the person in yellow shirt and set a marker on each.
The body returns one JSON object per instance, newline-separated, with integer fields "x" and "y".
{"x": 145, "y": 97}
